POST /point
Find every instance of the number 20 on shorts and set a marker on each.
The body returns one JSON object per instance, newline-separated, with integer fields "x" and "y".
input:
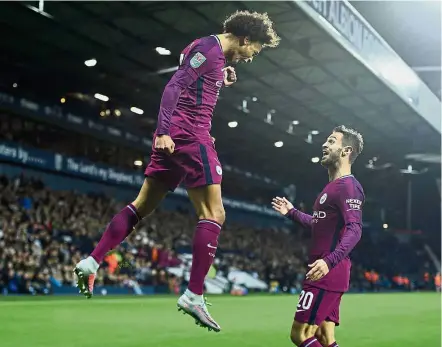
{"x": 305, "y": 300}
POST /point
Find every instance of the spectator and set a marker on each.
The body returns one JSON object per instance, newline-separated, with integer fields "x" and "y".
{"x": 43, "y": 233}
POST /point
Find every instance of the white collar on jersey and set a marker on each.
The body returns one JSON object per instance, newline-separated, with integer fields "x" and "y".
{"x": 351, "y": 175}
{"x": 219, "y": 42}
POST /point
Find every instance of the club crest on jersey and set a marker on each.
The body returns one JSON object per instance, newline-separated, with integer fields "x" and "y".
{"x": 197, "y": 60}
{"x": 219, "y": 171}
{"x": 323, "y": 198}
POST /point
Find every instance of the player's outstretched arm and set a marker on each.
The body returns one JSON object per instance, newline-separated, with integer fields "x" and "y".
{"x": 286, "y": 208}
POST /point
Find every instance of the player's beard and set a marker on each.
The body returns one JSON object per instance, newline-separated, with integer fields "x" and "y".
{"x": 236, "y": 56}
{"x": 232, "y": 57}
{"x": 331, "y": 160}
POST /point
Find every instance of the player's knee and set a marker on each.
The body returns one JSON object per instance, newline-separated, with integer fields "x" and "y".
{"x": 300, "y": 333}
{"x": 296, "y": 337}
{"x": 325, "y": 337}
{"x": 321, "y": 338}
{"x": 150, "y": 195}
{"x": 217, "y": 214}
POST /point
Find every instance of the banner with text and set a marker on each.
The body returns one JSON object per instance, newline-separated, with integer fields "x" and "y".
{"x": 102, "y": 128}
{"x": 13, "y": 152}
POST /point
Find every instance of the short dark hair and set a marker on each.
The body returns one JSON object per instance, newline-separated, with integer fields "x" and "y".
{"x": 258, "y": 27}
{"x": 351, "y": 138}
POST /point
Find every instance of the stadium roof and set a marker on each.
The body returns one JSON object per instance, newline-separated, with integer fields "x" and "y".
{"x": 309, "y": 79}
{"x": 413, "y": 29}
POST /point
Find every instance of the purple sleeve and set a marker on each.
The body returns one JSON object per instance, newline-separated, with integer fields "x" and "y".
{"x": 179, "y": 82}
{"x": 351, "y": 200}
{"x": 192, "y": 68}
{"x": 352, "y": 235}
{"x": 300, "y": 217}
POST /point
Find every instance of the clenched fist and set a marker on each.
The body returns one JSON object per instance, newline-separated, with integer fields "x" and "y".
{"x": 229, "y": 76}
{"x": 164, "y": 143}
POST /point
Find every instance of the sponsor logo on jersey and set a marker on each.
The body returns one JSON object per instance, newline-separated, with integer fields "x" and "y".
{"x": 353, "y": 204}
{"x": 197, "y": 60}
{"x": 319, "y": 214}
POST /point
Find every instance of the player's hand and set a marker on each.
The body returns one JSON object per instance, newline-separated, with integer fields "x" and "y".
{"x": 317, "y": 270}
{"x": 229, "y": 76}
{"x": 282, "y": 205}
{"x": 164, "y": 143}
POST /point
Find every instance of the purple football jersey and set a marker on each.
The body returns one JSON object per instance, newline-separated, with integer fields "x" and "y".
{"x": 336, "y": 226}
{"x": 190, "y": 97}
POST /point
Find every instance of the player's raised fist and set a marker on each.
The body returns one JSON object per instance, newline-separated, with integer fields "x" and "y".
{"x": 164, "y": 143}
{"x": 282, "y": 205}
{"x": 229, "y": 76}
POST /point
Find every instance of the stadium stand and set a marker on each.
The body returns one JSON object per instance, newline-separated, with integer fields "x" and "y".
{"x": 44, "y": 232}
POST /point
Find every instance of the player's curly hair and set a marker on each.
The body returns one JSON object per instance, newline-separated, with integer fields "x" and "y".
{"x": 258, "y": 27}
{"x": 351, "y": 138}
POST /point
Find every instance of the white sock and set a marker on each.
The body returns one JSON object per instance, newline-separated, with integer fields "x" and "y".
{"x": 192, "y": 296}
{"x": 91, "y": 264}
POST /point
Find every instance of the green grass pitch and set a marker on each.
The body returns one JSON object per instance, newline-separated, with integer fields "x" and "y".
{"x": 369, "y": 320}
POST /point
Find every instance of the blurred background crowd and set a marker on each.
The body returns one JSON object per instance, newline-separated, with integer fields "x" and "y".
{"x": 43, "y": 233}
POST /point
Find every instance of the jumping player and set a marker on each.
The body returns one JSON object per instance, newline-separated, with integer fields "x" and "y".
{"x": 183, "y": 151}
{"x": 336, "y": 226}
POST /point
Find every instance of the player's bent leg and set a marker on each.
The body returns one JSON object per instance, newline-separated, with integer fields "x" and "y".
{"x": 326, "y": 334}
{"x": 209, "y": 208}
{"x": 121, "y": 225}
{"x": 303, "y": 335}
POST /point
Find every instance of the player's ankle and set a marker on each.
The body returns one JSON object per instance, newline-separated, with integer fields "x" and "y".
{"x": 191, "y": 295}
{"x": 93, "y": 264}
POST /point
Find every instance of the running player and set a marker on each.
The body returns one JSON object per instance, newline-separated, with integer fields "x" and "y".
{"x": 183, "y": 152}
{"x": 336, "y": 226}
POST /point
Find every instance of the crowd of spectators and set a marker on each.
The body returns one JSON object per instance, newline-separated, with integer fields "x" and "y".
{"x": 43, "y": 233}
